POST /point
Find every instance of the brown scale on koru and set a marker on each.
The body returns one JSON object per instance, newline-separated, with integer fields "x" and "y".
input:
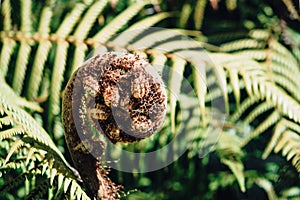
{"x": 118, "y": 95}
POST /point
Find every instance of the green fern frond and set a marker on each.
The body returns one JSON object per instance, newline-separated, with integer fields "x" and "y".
{"x": 230, "y": 153}
{"x": 260, "y": 109}
{"x": 158, "y": 60}
{"x": 174, "y": 85}
{"x": 234, "y": 81}
{"x": 25, "y": 46}
{"x": 31, "y": 155}
{"x": 21, "y": 66}
{"x": 76, "y": 191}
{"x": 291, "y": 193}
{"x": 241, "y": 44}
{"x": 82, "y": 31}
{"x": 89, "y": 18}
{"x": 118, "y": 22}
{"x": 199, "y": 13}
{"x": 5, "y": 121}
{"x": 286, "y": 138}
{"x": 13, "y": 165}
{"x": 291, "y": 8}
{"x": 61, "y": 57}
{"x": 237, "y": 169}
{"x": 41, "y": 54}
{"x": 25, "y": 124}
{"x": 291, "y": 64}
{"x": 288, "y": 85}
{"x": 256, "y": 82}
{"x": 57, "y": 78}
{"x": 6, "y": 54}
{"x": 14, "y": 147}
{"x": 6, "y": 11}
{"x": 26, "y": 15}
{"x": 9, "y": 133}
{"x": 151, "y": 39}
{"x": 69, "y": 22}
{"x": 267, "y": 186}
{"x": 267, "y": 123}
{"x": 260, "y": 34}
{"x": 185, "y": 14}
{"x": 133, "y": 31}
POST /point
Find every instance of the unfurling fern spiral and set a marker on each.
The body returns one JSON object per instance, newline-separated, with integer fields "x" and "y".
{"x": 116, "y": 96}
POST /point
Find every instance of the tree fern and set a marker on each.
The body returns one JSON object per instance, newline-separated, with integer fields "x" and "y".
{"x": 255, "y": 75}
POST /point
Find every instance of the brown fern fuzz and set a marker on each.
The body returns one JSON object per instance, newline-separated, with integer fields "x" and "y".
{"x": 129, "y": 101}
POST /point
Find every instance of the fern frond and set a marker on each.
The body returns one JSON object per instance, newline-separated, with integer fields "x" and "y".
{"x": 267, "y": 186}
{"x": 61, "y": 57}
{"x": 15, "y": 164}
{"x": 26, "y": 15}
{"x": 9, "y": 133}
{"x": 6, "y": 11}
{"x": 21, "y": 66}
{"x": 26, "y": 125}
{"x": 32, "y": 106}
{"x": 291, "y": 64}
{"x": 234, "y": 81}
{"x": 289, "y": 143}
{"x": 287, "y": 84}
{"x": 150, "y": 39}
{"x": 185, "y": 14}
{"x": 82, "y": 31}
{"x": 61, "y": 52}
{"x": 259, "y": 34}
{"x": 286, "y": 74}
{"x": 175, "y": 85}
{"x": 89, "y": 18}
{"x": 41, "y": 54}
{"x": 267, "y": 123}
{"x": 69, "y": 22}
{"x": 6, "y": 54}
{"x": 25, "y": 47}
{"x": 76, "y": 191}
{"x": 241, "y": 44}
{"x": 53, "y": 173}
{"x": 199, "y": 13}
{"x": 221, "y": 80}
{"x": 291, "y": 8}
{"x": 79, "y": 55}
{"x": 30, "y": 155}
{"x": 291, "y": 193}
{"x": 177, "y": 45}
{"x": 286, "y": 138}
{"x": 260, "y": 109}
{"x": 57, "y": 78}
{"x": 118, "y": 22}
{"x": 159, "y": 60}
{"x": 136, "y": 29}
{"x": 5, "y": 121}
{"x": 230, "y": 153}
{"x": 237, "y": 169}
{"x": 14, "y": 147}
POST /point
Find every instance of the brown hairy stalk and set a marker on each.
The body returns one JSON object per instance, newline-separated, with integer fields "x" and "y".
{"x": 114, "y": 96}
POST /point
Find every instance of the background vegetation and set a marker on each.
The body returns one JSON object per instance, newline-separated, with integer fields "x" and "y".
{"x": 255, "y": 47}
